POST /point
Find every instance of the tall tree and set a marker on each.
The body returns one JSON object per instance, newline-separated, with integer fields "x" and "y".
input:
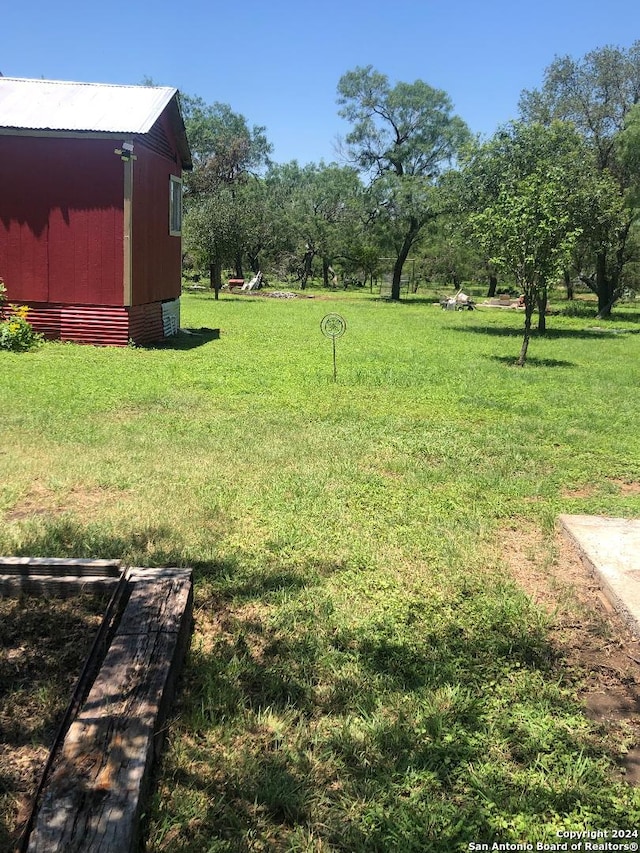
{"x": 402, "y": 137}
{"x": 596, "y": 93}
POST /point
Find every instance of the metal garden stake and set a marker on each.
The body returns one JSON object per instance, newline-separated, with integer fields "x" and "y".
{"x": 333, "y": 326}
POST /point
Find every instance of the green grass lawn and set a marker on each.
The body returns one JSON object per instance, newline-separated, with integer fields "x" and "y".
{"x": 364, "y": 673}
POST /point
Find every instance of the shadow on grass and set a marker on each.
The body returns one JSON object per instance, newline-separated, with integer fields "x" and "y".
{"x": 532, "y": 361}
{"x": 412, "y": 300}
{"x": 590, "y": 312}
{"x": 187, "y": 339}
{"x": 550, "y": 334}
{"x": 425, "y": 727}
{"x": 424, "y": 733}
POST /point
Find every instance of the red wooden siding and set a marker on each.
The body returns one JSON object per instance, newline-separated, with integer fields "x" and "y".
{"x": 24, "y": 219}
{"x": 157, "y": 256}
{"x": 86, "y": 228}
{"x": 61, "y": 220}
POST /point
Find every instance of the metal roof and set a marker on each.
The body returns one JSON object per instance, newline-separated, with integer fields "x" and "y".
{"x": 60, "y": 107}
{"x": 66, "y": 106}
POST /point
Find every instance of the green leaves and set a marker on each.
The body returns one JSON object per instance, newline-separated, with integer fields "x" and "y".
{"x": 525, "y": 189}
{"x": 594, "y": 93}
{"x": 597, "y": 94}
{"x": 408, "y": 129}
{"x": 221, "y": 141}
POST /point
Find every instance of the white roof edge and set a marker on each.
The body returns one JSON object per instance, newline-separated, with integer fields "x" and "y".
{"x": 81, "y": 106}
{"x": 82, "y": 82}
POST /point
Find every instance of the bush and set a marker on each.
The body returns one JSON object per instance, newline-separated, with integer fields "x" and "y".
{"x": 16, "y": 333}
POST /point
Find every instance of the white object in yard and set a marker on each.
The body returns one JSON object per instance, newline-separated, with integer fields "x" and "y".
{"x": 254, "y": 283}
{"x": 171, "y": 317}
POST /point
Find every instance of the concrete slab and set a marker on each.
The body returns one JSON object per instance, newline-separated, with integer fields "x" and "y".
{"x": 611, "y": 547}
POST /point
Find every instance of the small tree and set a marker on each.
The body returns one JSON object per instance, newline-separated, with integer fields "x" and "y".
{"x": 526, "y": 192}
{"x": 211, "y": 232}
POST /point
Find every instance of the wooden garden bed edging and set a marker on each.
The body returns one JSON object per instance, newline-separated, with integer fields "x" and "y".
{"x": 56, "y": 576}
{"x": 90, "y": 798}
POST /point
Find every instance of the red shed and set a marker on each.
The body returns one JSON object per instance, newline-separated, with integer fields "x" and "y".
{"x": 91, "y": 208}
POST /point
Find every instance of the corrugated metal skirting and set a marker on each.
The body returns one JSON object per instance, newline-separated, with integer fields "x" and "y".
{"x": 100, "y": 325}
{"x": 146, "y": 323}
{"x": 94, "y": 325}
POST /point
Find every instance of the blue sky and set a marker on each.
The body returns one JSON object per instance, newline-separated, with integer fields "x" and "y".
{"x": 278, "y": 63}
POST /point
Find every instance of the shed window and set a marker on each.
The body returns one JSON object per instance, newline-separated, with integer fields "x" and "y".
{"x": 175, "y": 206}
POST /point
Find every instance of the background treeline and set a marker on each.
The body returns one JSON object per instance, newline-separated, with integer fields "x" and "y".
{"x": 552, "y": 198}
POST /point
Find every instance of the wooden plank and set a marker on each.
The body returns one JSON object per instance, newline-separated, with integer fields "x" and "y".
{"x": 60, "y": 566}
{"x": 157, "y": 602}
{"x": 14, "y": 585}
{"x": 56, "y": 576}
{"x": 92, "y": 800}
{"x": 91, "y": 666}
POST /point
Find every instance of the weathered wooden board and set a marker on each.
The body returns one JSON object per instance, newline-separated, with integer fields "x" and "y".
{"x": 13, "y": 586}
{"x": 60, "y": 566}
{"x": 157, "y": 602}
{"x": 91, "y": 800}
{"x": 56, "y": 576}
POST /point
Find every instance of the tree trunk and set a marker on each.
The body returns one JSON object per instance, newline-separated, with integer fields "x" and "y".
{"x": 239, "y": 272}
{"x": 215, "y": 276}
{"x": 254, "y": 262}
{"x": 610, "y": 293}
{"x": 604, "y": 286}
{"x": 493, "y": 285}
{"x": 306, "y": 268}
{"x": 403, "y": 254}
{"x": 325, "y": 272}
{"x": 568, "y": 284}
{"x": 528, "y": 313}
{"x": 542, "y": 296}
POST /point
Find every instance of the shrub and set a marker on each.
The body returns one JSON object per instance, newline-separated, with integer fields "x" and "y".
{"x": 16, "y": 333}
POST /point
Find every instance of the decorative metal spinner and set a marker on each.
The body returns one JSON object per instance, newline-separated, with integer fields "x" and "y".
{"x": 333, "y": 326}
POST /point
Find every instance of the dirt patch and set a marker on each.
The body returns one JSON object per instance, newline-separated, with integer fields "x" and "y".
{"x": 624, "y": 487}
{"x": 41, "y": 500}
{"x": 627, "y": 488}
{"x": 43, "y": 646}
{"x": 583, "y": 492}
{"x": 599, "y": 650}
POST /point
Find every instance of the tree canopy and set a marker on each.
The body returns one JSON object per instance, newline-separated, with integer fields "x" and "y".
{"x": 596, "y": 93}
{"x": 223, "y": 146}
